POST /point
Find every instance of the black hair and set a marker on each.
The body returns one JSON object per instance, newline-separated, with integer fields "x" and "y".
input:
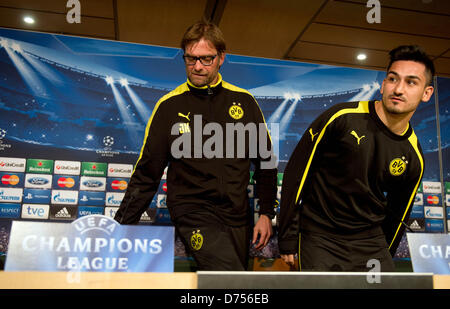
{"x": 413, "y": 53}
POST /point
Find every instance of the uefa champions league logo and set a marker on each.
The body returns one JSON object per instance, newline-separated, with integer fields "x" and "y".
{"x": 108, "y": 141}
{"x": 3, "y": 146}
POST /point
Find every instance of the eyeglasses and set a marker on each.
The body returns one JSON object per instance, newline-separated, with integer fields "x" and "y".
{"x": 205, "y": 60}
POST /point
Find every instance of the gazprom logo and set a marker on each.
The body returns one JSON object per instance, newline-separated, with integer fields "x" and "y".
{"x": 114, "y": 199}
{"x": 64, "y": 197}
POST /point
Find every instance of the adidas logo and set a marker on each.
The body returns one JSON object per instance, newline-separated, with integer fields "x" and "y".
{"x": 63, "y": 213}
{"x": 415, "y": 225}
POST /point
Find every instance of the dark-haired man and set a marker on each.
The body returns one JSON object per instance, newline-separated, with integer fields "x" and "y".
{"x": 350, "y": 183}
{"x": 206, "y": 191}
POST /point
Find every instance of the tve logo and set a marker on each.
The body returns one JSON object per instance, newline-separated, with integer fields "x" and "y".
{"x": 35, "y": 211}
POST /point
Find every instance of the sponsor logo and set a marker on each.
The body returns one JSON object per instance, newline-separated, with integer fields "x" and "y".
{"x": 196, "y": 240}
{"x": 11, "y": 179}
{"x": 398, "y": 166}
{"x": 185, "y": 116}
{"x": 87, "y": 210}
{"x": 235, "y": 111}
{"x": 93, "y": 183}
{"x": 447, "y": 187}
{"x": 63, "y": 212}
{"x": 93, "y": 169}
{"x": 117, "y": 184}
{"x": 64, "y": 197}
{"x": 12, "y": 195}
{"x": 431, "y": 187}
{"x": 432, "y": 199}
{"x": 35, "y": 211}
{"x": 447, "y": 199}
{"x": 113, "y": 198}
{"x": 417, "y": 212}
{"x": 120, "y": 170}
{"x": 111, "y": 211}
{"x": 434, "y": 225}
{"x": 67, "y": 167}
{"x": 164, "y": 187}
{"x": 313, "y": 135}
{"x": 417, "y": 224}
{"x": 434, "y": 212}
{"x": 250, "y": 191}
{"x": 92, "y": 198}
{"x": 36, "y": 196}
{"x": 418, "y": 200}
{"x": 65, "y": 182}
{"x": 12, "y": 164}
{"x": 39, "y": 166}
{"x": 161, "y": 201}
{"x": 38, "y": 181}
{"x": 355, "y": 135}
{"x": 149, "y": 215}
{"x": 10, "y": 210}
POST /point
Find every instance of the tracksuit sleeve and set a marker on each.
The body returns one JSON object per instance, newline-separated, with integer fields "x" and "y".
{"x": 399, "y": 206}
{"x": 149, "y": 168}
{"x": 266, "y": 170}
{"x": 294, "y": 180}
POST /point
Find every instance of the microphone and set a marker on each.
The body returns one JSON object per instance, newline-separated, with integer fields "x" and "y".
{"x": 130, "y": 200}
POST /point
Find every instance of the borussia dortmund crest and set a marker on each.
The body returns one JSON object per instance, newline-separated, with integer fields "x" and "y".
{"x": 236, "y": 111}
{"x": 397, "y": 166}
{"x": 196, "y": 240}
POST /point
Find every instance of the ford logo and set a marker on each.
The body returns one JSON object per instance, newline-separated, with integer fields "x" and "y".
{"x": 38, "y": 181}
{"x": 93, "y": 183}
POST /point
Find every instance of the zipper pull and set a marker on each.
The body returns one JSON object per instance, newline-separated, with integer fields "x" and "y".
{"x": 210, "y": 92}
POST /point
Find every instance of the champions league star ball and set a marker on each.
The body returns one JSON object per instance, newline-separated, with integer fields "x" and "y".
{"x": 108, "y": 141}
{"x": 2, "y": 133}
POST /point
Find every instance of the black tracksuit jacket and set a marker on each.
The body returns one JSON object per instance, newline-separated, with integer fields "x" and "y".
{"x": 351, "y": 176}
{"x": 196, "y": 179}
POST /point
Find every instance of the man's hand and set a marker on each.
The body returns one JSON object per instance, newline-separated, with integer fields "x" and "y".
{"x": 263, "y": 229}
{"x": 288, "y": 259}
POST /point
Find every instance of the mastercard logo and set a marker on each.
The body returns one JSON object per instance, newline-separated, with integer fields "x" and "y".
{"x": 433, "y": 200}
{"x": 119, "y": 184}
{"x": 66, "y": 182}
{"x": 10, "y": 180}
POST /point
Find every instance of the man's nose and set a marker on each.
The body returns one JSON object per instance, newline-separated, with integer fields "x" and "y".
{"x": 400, "y": 87}
{"x": 198, "y": 66}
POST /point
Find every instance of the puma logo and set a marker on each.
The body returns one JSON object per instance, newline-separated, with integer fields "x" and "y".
{"x": 312, "y": 134}
{"x": 184, "y": 116}
{"x": 358, "y": 139}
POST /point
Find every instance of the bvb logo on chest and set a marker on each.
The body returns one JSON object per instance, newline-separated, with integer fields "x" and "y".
{"x": 236, "y": 111}
{"x": 196, "y": 240}
{"x": 398, "y": 166}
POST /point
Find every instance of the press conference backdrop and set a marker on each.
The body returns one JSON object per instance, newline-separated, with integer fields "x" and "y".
{"x": 73, "y": 113}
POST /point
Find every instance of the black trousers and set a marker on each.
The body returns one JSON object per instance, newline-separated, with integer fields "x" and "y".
{"x": 214, "y": 245}
{"x": 323, "y": 252}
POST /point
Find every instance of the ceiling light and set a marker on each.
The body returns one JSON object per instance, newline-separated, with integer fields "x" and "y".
{"x": 28, "y": 20}
{"x": 361, "y": 57}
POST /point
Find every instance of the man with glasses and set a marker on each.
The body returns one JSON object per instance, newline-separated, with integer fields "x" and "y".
{"x": 206, "y": 188}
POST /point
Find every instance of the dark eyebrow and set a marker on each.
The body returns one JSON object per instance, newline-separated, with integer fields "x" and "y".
{"x": 409, "y": 76}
